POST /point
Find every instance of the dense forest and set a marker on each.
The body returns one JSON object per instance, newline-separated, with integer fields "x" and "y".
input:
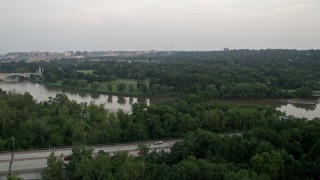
{"x": 233, "y": 74}
{"x": 266, "y": 146}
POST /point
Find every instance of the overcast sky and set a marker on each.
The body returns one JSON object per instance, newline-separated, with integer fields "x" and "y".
{"x": 59, "y": 25}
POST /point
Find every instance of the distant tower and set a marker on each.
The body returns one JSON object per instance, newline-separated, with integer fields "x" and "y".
{"x": 169, "y": 49}
{"x": 40, "y": 71}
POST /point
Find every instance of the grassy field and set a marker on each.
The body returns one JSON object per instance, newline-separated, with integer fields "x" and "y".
{"x": 86, "y": 71}
{"x": 128, "y": 82}
{"x": 105, "y": 90}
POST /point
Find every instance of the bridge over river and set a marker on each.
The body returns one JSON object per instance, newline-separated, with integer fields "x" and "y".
{"x": 4, "y": 76}
{"x": 316, "y": 93}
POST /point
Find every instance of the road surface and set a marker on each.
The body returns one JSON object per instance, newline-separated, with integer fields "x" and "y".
{"x": 36, "y": 160}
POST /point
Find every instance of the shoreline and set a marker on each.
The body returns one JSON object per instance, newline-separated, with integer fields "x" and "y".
{"x": 91, "y": 91}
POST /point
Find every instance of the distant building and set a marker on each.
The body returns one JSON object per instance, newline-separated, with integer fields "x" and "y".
{"x": 86, "y": 54}
{"x": 78, "y": 53}
{"x": 98, "y": 53}
{"x": 226, "y": 49}
{"x": 68, "y": 53}
{"x": 18, "y": 55}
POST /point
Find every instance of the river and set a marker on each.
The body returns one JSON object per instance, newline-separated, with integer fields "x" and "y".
{"x": 303, "y": 108}
{"x": 42, "y": 92}
{"x": 308, "y": 108}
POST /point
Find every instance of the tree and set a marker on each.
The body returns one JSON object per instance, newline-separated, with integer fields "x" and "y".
{"x": 95, "y": 86}
{"x": 303, "y": 92}
{"x": 14, "y": 177}
{"x": 78, "y": 153}
{"x": 127, "y": 167}
{"x": 143, "y": 149}
{"x": 110, "y": 87}
{"x": 4, "y": 117}
{"x": 142, "y": 86}
{"x": 2, "y": 144}
{"x": 98, "y": 167}
{"x": 130, "y": 88}
{"x": 211, "y": 88}
{"x": 121, "y": 87}
{"x": 56, "y": 139}
{"x": 54, "y": 168}
{"x": 212, "y": 121}
{"x": 269, "y": 163}
{"x": 82, "y": 83}
{"x": 51, "y": 78}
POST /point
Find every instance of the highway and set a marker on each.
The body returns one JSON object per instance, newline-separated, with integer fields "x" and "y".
{"x": 26, "y": 163}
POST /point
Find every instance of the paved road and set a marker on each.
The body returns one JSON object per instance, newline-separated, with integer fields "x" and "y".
{"x": 37, "y": 159}
{"x": 29, "y": 164}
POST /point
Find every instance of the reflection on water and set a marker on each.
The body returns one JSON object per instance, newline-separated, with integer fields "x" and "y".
{"x": 95, "y": 96}
{"x": 309, "y": 113}
{"x": 142, "y": 100}
{"x": 130, "y": 100}
{"x": 307, "y": 108}
{"x": 109, "y": 100}
{"x": 121, "y": 100}
{"x": 42, "y": 92}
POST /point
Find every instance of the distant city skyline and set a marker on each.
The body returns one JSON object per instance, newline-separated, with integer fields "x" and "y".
{"x": 143, "y": 25}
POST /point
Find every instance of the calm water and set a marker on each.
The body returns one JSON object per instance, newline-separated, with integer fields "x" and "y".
{"x": 296, "y": 107}
{"x": 307, "y": 108}
{"x": 42, "y": 92}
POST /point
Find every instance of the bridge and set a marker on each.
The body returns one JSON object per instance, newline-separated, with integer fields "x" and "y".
{"x": 316, "y": 93}
{"x": 3, "y": 76}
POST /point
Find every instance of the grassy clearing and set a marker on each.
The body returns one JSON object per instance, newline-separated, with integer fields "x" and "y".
{"x": 104, "y": 87}
{"x": 128, "y": 82}
{"x": 86, "y": 71}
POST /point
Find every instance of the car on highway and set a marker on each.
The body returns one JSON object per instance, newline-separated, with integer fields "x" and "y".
{"x": 157, "y": 142}
{"x": 141, "y": 152}
{"x": 67, "y": 158}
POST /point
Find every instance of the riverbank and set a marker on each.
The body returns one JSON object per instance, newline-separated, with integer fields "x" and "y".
{"x": 103, "y": 89}
{"x": 301, "y": 101}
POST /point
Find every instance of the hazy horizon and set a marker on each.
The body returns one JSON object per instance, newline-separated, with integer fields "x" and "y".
{"x": 215, "y": 50}
{"x": 202, "y": 25}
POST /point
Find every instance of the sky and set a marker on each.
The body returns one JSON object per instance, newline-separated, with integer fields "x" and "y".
{"x": 61, "y": 25}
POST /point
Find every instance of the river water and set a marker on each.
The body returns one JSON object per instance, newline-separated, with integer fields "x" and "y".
{"x": 308, "y": 108}
{"x": 42, "y": 92}
{"x": 303, "y": 108}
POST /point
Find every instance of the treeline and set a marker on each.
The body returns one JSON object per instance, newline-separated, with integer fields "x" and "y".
{"x": 234, "y": 74}
{"x": 61, "y": 122}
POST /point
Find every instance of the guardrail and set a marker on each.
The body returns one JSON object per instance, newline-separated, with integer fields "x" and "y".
{"x": 22, "y": 171}
{"x": 95, "y": 145}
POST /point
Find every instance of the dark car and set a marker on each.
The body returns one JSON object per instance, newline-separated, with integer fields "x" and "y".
{"x": 67, "y": 158}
